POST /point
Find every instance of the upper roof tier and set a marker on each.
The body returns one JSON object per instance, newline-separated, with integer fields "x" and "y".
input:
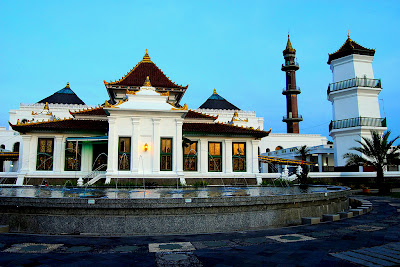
{"x": 215, "y": 101}
{"x": 137, "y": 76}
{"x": 63, "y": 96}
{"x": 349, "y": 48}
{"x": 289, "y": 48}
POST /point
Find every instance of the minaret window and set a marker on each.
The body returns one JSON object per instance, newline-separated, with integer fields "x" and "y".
{"x": 45, "y": 154}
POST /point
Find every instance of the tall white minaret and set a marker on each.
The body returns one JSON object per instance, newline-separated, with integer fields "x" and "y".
{"x": 354, "y": 96}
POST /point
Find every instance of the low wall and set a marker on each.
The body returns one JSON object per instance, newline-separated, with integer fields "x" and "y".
{"x": 164, "y": 216}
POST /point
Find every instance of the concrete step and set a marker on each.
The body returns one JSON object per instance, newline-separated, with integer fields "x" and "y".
{"x": 310, "y": 220}
{"x": 357, "y": 212}
{"x": 345, "y": 214}
{"x": 330, "y": 217}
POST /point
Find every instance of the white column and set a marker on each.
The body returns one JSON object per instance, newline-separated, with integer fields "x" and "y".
{"x": 320, "y": 163}
{"x": 58, "y": 154}
{"x": 202, "y": 155}
{"x": 227, "y": 155}
{"x": 112, "y": 159}
{"x": 156, "y": 145}
{"x": 178, "y": 147}
{"x": 254, "y": 150}
{"x": 135, "y": 145}
{"x": 24, "y": 158}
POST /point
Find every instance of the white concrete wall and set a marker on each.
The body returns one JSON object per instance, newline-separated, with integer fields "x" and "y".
{"x": 352, "y": 66}
{"x": 274, "y": 140}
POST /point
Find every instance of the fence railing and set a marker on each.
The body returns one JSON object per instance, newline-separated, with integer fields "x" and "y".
{"x": 358, "y": 121}
{"x": 362, "y": 82}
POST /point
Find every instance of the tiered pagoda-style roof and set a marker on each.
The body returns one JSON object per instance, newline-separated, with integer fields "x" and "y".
{"x": 220, "y": 129}
{"x": 135, "y": 78}
{"x": 215, "y": 101}
{"x": 63, "y": 96}
{"x": 349, "y": 48}
{"x": 62, "y": 125}
{"x": 289, "y": 48}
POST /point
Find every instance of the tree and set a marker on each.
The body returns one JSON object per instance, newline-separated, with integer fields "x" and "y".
{"x": 377, "y": 152}
{"x": 303, "y": 152}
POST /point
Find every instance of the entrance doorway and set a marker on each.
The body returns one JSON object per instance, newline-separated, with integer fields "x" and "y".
{"x": 100, "y": 152}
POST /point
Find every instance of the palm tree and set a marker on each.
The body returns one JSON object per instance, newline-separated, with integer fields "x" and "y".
{"x": 378, "y": 152}
{"x": 303, "y": 152}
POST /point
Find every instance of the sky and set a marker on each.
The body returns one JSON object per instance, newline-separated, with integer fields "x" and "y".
{"x": 232, "y": 46}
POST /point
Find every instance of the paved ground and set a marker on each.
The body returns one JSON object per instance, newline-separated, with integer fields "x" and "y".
{"x": 372, "y": 239}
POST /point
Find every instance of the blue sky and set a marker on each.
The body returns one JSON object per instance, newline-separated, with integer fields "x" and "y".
{"x": 233, "y": 46}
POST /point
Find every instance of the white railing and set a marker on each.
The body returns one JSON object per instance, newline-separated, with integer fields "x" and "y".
{"x": 95, "y": 175}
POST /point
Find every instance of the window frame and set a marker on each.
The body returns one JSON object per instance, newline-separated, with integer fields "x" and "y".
{"x": 47, "y": 156}
{"x": 166, "y": 154}
{"x": 191, "y": 157}
{"x": 243, "y": 157}
{"x": 68, "y": 154}
{"x": 213, "y": 157}
{"x": 121, "y": 153}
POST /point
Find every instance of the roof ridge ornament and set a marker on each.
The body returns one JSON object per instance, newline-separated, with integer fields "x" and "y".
{"x": 146, "y": 57}
{"x": 215, "y": 92}
{"x": 67, "y": 85}
{"x": 147, "y": 81}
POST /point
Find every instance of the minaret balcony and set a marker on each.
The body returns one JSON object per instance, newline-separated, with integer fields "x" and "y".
{"x": 354, "y": 82}
{"x": 291, "y": 91}
{"x": 291, "y": 119}
{"x": 358, "y": 121}
{"x": 290, "y": 66}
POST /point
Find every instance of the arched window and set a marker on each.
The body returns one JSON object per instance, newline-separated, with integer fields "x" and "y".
{"x": 3, "y": 146}
{"x": 278, "y": 148}
{"x": 267, "y": 150}
{"x": 16, "y": 147}
{"x": 24, "y": 120}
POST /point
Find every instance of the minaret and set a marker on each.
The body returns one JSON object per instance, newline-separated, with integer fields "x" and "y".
{"x": 354, "y": 96}
{"x": 291, "y": 91}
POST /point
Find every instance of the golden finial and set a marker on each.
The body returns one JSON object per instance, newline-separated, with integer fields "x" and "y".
{"x": 147, "y": 82}
{"x": 289, "y": 44}
{"x": 46, "y": 106}
{"x": 67, "y": 85}
{"x": 215, "y": 92}
{"x": 146, "y": 57}
{"x": 235, "y": 114}
{"x": 348, "y": 34}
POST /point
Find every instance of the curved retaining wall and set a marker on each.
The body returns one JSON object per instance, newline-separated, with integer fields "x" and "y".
{"x": 164, "y": 216}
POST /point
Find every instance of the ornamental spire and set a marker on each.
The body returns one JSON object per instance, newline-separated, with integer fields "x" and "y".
{"x": 146, "y": 57}
{"x": 215, "y": 92}
{"x": 289, "y": 44}
{"x": 67, "y": 85}
{"x": 147, "y": 82}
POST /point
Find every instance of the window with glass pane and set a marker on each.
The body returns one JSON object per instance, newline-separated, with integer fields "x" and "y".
{"x": 239, "y": 157}
{"x": 124, "y": 154}
{"x": 45, "y": 154}
{"x": 73, "y": 152}
{"x": 166, "y": 154}
{"x": 214, "y": 157}
{"x": 190, "y": 157}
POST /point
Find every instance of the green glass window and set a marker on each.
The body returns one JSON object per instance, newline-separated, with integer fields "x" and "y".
{"x": 214, "y": 157}
{"x": 45, "y": 154}
{"x": 239, "y": 157}
{"x": 73, "y": 152}
{"x": 190, "y": 157}
{"x": 166, "y": 154}
{"x": 124, "y": 154}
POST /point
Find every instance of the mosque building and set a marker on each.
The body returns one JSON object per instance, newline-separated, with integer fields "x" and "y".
{"x": 144, "y": 131}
